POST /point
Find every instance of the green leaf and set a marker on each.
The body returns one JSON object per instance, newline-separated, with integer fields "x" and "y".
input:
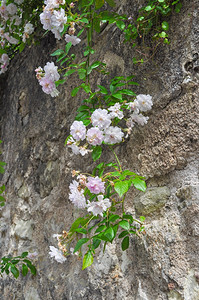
{"x": 69, "y": 72}
{"x": 82, "y": 115}
{"x": 32, "y": 269}
{"x": 14, "y": 271}
{"x": 58, "y": 82}
{"x": 178, "y": 7}
{"x": 82, "y": 73}
{"x": 122, "y": 234}
{"x": 124, "y": 224}
{"x": 117, "y": 96}
{"x": 85, "y": 87}
{"x": 24, "y": 270}
{"x": 67, "y": 48}
{"x": 15, "y": 261}
{"x": 148, "y": 8}
{"x": 96, "y": 243}
{"x": 95, "y": 64}
{"x": 109, "y": 234}
{"x": 161, "y": 1}
{"x": 113, "y": 218}
{"x": 116, "y": 173}
{"x": 2, "y": 52}
{"x": 96, "y": 153}
{"x": 87, "y": 260}
{"x": 83, "y": 107}
{"x": 2, "y": 170}
{"x": 139, "y": 184}
{"x": 84, "y": 20}
{"x": 75, "y": 91}
{"x": 80, "y": 243}
{"x": 127, "y": 92}
{"x": 112, "y": 88}
{"x": 100, "y": 228}
{"x": 165, "y": 25}
{"x": 127, "y": 173}
{"x": 128, "y": 217}
{"x": 99, "y": 4}
{"x": 64, "y": 60}
{"x": 96, "y": 25}
{"x": 111, "y": 3}
{"x": 103, "y": 89}
{"x": 80, "y": 32}
{"x": 142, "y": 218}
{"x": 76, "y": 223}
{"x": 120, "y": 24}
{"x": 115, "y": 229}
{"x": 162, "y": 34}
{"x": 21, "y": 47}
{"x": 57, "y": 52}
{"x": 86, "y": 122}
{"x": 81, "y": 230}
{"x": 121, "y": 187}
{"x": 24, "y": 254}
{"x": 125, "y": 243}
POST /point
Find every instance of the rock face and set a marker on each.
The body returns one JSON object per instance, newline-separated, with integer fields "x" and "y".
{"x": 164, "y": 263}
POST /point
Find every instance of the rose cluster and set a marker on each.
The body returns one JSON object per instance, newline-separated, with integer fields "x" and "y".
{"x": 47, "y": 78}
{"x": 142, "y": 103}
{"x": 102, "y": 130}
{"x": 96, "y": 186}
{"x": 53, "y": 18}
{"x": 10, "y": 31}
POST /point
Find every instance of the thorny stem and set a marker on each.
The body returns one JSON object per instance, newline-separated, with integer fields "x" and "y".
{"x": 117, "y": 159}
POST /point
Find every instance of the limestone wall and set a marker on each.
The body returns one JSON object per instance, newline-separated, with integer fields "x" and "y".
{"x": 164, "y": 263}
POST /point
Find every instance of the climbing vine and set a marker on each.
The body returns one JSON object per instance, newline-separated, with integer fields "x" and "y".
{"x": 105, "y": 118}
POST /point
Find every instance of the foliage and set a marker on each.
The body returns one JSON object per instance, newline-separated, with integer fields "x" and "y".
{"x": 15, "y": 264}
{"x": 105, "y": 118}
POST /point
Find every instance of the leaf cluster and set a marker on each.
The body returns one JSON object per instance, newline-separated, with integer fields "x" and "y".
{"x": 15, "y": 264}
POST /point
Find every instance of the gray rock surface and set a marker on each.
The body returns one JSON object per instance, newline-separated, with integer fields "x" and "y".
{"x": 164, "y": 263}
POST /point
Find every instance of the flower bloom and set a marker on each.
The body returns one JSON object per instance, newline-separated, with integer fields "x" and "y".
{"x": 28, "y": 28}
{"x": 113, "y": 135}
{"x": 76, "y": 195}
{"x": 51, "y": 71}
{"x": 115, "y": 111}
{"x": 133, "y": 107}
{"x": 47, "y": 78}
{"x": 47, "y": 84}
{"x": 97, "y": 208}
{"x": 73, "y": 39}
{"x": 143, "y": 102}
{"x": 139, "y": 118}
{"x": 45, "y": 18}
{"x": 95, "y": 185}
{"x": 78, "y": 130}
{"x": 57, "y": 254}
{"x": 59, "y": 19}
{"x": 52, "y": 19}
{"x": 11, "y": 9}
{"x": 100, "y": 118}
{"x": 32, "y": 255}
{"x": 94, "y": 136}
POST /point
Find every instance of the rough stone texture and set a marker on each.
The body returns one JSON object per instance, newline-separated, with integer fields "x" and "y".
{"x": 164, "y": 263}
